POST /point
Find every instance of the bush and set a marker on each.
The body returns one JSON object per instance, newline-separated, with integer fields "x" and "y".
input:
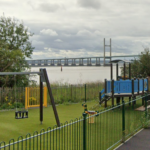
{"x": 11, "y": 107}
{"x": 18, "y": 105}
{"x": 4, "y": 106}
{"x": 145, "y": 120}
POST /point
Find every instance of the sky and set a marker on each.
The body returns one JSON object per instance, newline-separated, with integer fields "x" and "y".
{"x": 77, "y": 28}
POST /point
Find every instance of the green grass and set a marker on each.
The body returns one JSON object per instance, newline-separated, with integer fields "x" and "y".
{"x": 13, "y": 128}
{"x": 104, "y": 132}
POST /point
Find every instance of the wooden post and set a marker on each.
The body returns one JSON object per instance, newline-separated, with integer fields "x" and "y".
{"x": 111, "y": 71}
{"x": 118, "y": 100}
{"x": 138, "y": 86}
{"x": 51, "y": 96}
{"x": 116, "y": 71}
{"x": 112, "y": 87}
{"x": 143, "y": 86}
{"x": 124, "y": 71}
{"x": 41, "y": 99}
{"x": 147, "y": 85}
{"x": 130, "y": 71}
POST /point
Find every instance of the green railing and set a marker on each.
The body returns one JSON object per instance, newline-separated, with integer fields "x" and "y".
{"x": 61, "y": 94}
{"x": 76, "y": 93}
{"x": 101, "y": 131}
{"x": 10, "y": 96}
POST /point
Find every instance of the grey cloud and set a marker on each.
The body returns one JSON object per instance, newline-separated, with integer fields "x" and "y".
{"x": 75, "y": 43}
{"x": 89, "y": 3}
{"x": 47, "y": 7}
{"x": 80, "y": 27}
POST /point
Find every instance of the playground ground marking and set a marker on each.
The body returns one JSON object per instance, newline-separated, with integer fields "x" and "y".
{"x": 128, "y": 139}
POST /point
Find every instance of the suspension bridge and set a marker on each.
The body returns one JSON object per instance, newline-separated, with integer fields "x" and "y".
{"x": 83, "y": 61}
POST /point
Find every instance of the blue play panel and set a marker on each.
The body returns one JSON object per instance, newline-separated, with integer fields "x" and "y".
{"x": 124, "y": 87}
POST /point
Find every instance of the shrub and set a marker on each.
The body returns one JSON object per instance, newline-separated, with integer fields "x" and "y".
{"x": 11, "y": 107}
{"x": 18, "y": 105}
{"x": 4, "y": 106}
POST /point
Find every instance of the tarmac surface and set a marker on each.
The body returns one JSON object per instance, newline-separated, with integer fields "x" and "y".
{"x": 140, "y": 141}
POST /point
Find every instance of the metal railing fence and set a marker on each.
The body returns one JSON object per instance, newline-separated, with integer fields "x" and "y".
{"x": 76, "y": 93}
{"x": 101, "y": 131}
{"x": 10, "y": 96}
{"x": 61, "y": 94}
{"x": 66, "y": 137}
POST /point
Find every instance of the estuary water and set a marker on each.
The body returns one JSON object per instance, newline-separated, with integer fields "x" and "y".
{"x": 77, "y": 75}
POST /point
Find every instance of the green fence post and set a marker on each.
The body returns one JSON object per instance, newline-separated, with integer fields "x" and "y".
{"x": 84, "y": 131}
{"x": 123, "y": 121}
{"x": 85, "y": 93}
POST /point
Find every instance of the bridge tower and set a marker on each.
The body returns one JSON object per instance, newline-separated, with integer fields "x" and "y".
{"x": 105, "y": 50}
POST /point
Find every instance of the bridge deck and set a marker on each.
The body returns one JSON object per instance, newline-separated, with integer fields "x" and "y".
{"x": 84, "y": 61}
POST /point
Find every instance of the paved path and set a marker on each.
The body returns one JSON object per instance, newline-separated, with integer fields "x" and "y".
{"x": 140, "y": 141}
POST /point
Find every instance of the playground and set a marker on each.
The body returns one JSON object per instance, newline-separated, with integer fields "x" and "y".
{"x": 100, "y": 127}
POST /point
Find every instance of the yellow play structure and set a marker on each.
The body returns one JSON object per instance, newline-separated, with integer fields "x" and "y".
{"x": 32, "y": 97}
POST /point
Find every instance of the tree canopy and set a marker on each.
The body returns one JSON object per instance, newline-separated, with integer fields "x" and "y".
{"x": 140, "y": 67}
{"x": 15, "y": 47}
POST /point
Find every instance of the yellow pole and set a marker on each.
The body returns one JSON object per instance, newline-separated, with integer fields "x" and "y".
{"x": 26, "y": 97}
{"x": 45, "y": 96}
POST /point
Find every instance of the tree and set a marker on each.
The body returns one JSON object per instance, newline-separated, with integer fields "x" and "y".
{"x": 140, "y": 67}
{"x": 15, "y": 47}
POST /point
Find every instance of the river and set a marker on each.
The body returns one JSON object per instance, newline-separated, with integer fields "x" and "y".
{"x": 77, "y": 75}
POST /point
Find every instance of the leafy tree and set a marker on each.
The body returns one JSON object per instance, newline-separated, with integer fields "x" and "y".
{"x": 140, "y": 67}
{"x": 14, "y": 48}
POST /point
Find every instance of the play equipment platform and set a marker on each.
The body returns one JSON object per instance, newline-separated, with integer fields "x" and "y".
{"x": 123, "y": 88}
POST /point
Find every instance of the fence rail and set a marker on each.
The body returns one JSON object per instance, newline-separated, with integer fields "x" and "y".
{"x": 107, "y": 129}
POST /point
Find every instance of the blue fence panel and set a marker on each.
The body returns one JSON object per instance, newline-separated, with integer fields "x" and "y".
{"x": 141, "y": 85}
{"x": 145, "y": 84}
{"x": 108, "y": 86}
{"x": 136, "y": 85}
{"x": 117, "y": 87}
{"x": 123, "y": 86}
{"x": 126, "y": 86}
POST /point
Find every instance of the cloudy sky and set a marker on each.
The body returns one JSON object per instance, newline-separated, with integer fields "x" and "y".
{"x": 77, "y": 28}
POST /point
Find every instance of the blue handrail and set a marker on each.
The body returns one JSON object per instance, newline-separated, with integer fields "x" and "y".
{"x": 102, "y": 93}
